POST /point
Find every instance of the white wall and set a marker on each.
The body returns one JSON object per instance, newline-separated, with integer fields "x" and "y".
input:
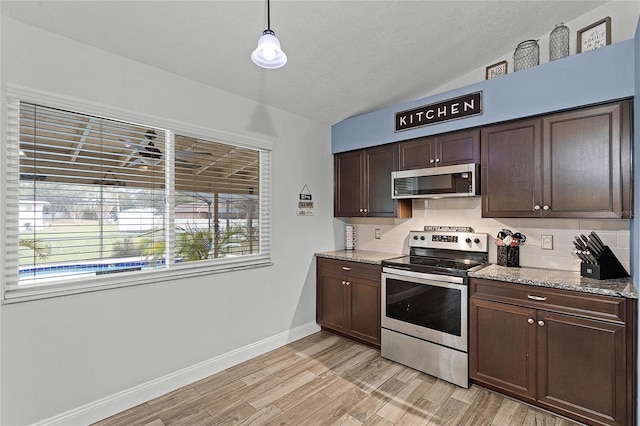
{"x": 62, "y": 353}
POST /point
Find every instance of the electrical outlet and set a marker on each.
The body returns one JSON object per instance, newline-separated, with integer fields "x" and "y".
{"x": 378, "y": 236}
{"x": 546, "y": 242}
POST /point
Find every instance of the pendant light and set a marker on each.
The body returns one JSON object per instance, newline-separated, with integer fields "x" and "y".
{"x": 268, "y": 54}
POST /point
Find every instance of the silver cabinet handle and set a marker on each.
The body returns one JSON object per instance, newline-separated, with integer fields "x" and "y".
{"x": 536, "y": 207}
{"x": 540, "y": 323}
{"x": 432, "y": 161}
{"x": 344, "y": 282}
{"x": 530, "y": 320}
{"x": 437, "y": 160}
{"x": 539, "y": 298}
{"x": 346, "y": 268}
{"x": 545, "y": 208}
{"x": 361, "y": 210}
{"x": 348, "y": 283}
{"x": 365, "y": 210}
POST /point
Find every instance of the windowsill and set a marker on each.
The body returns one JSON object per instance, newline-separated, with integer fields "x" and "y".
{"x": 130, "y": 279}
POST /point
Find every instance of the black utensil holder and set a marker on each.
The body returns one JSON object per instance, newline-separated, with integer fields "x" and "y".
{"x": 608, "y": 267}
{"x": 509, "y": 256}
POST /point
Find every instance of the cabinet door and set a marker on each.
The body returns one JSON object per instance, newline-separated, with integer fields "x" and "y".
{"x": 364, "y": 309}
{"x": 582, "y": 163}
{"x": 458, "y": 148}
{"x": 331, "y": 305}
{"x": 348, "y": 184}
{"x": 417, "y": 153}
{"x": 581, "y": 367}
{"x": 379, "y": 163}
{"x": 503, "y": 347}
{"x": 511, "y": 172}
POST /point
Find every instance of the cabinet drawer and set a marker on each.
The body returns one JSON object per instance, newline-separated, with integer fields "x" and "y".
{"x": 343, "y": 267}
{"x": 550, "y": 299}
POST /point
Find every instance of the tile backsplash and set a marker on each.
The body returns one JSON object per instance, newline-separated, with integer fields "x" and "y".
{"x": 468, "y": 212}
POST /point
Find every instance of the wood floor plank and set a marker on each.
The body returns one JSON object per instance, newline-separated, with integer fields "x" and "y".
{"x": 234, "y": 414}
{"x": 262, "y": 416}
{"x": 419, "y": 414}
{"x": 328, "y": 379}
{"x": 482, "y": 409}
{"x": 306, "y": 391}
{"x": 269, "y": 396}
{"x": 367, "y": 407}
{"x": 306, "y": 408}
{"x": 510, "y": 413}
{"x": 404, "y": 400}
{"x": 450, "y": 413}
{"x": 376, "y": 420}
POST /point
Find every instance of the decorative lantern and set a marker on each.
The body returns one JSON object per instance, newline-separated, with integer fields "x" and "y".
{"x": 527, "y": 55}
{"x": 559, "y": 42}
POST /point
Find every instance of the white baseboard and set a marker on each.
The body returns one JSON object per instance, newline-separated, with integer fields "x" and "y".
{"x": 116, "y": 403}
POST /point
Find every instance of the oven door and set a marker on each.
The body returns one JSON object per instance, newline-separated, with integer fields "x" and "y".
{"x": 427, "y": 306}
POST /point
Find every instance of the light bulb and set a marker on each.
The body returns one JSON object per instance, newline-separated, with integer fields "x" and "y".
{"x": 268, "y": 53}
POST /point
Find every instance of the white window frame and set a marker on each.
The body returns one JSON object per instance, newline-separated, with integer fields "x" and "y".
{"x": 9, "y": 161}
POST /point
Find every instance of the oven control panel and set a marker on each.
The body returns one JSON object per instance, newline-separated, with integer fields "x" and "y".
{"x": 466, "y": 241}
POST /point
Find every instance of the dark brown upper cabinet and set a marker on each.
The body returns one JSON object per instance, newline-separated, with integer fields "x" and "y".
{"x": 442, "y": 150}
{"x": 362, "y": 181}
{"x": 575, "y": 164}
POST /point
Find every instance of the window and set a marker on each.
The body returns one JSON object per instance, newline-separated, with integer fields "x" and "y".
{"x": 94, "y": 201}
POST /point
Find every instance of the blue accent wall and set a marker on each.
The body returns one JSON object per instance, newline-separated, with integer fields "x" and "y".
{"x": 583, "y": 79}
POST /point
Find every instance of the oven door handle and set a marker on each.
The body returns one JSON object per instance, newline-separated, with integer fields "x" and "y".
{"x": 402, "y": 268}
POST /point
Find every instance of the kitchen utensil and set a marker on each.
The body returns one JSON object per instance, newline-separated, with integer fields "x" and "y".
{"x": 581, "y": 243}
{"x": 521, "y": 237}
{"x": 581, "y": 256}
{"x": 595, "y": 238}
{"x": 590, "y": 256}
{"x": 594, "y": 249}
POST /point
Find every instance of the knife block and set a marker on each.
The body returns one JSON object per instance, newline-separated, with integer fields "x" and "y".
{"x": 608, "y": 267}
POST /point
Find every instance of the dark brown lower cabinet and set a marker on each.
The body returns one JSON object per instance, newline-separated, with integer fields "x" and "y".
{"x": 348, "y": 299}
{"x": 568, "y": 352}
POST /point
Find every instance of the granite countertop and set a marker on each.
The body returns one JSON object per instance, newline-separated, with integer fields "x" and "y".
{"x": 360, "y": 256}
{"x": 566, "y": 280}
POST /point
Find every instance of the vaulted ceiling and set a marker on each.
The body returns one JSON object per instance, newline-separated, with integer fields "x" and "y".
{"x": 345, "y": 57}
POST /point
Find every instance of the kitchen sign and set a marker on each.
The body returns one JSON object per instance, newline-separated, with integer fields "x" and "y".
{"x": 451, "y": 109}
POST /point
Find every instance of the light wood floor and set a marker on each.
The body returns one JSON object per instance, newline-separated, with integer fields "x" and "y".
{"x": 325, "y": 379}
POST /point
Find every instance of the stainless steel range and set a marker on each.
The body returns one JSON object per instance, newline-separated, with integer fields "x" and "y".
{"x": 425, "y": 301}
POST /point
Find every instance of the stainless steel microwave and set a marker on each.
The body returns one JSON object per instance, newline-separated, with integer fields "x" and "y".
{"x": 461, "y": 180}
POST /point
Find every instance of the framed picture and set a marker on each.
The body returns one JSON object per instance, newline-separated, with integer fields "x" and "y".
{"x": 496, "y": 70}
{"x": 594, "y": 36}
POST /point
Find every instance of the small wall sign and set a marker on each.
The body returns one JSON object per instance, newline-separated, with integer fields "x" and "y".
{"x": 595, "y": 35}
{"x": 305, "y": 205}
{"x": 451, "y": 109}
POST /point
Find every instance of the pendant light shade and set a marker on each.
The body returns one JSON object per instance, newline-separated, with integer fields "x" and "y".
{"x": 269, "y": 54}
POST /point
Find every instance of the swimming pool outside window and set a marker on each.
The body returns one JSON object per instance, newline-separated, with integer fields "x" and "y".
{"x": 92, "y": 198}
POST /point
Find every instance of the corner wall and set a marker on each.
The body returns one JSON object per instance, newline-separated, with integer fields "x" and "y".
{"x": 61, "y": 354}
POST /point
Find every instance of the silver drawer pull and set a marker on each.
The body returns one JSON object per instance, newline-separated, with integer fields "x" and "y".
{"x": 346, "y": 268}
{"x": 540, "y": 298}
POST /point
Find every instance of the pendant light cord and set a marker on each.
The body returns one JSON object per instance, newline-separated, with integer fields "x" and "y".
{"x": 268, "y": 16}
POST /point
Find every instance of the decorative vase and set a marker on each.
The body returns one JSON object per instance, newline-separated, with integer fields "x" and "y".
{"x": 559, "y": 42}
{"x": 527, "y": 55}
